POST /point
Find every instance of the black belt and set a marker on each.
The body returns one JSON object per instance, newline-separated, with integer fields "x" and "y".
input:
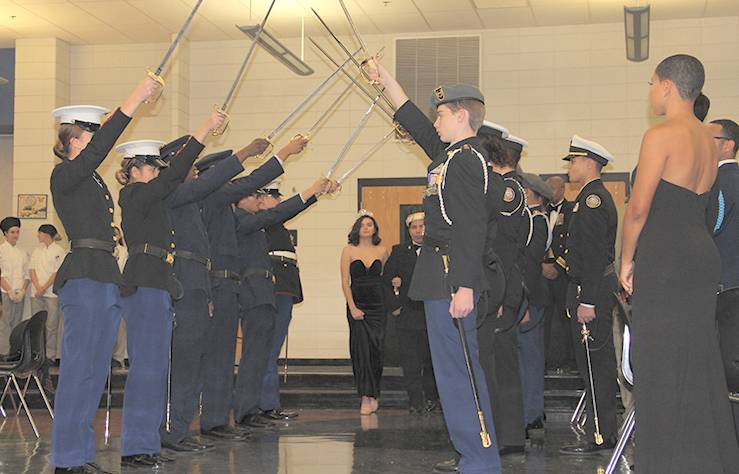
{"x": 194, "y": 257}
{"x": 258, "y": 272}
{"x": 154, "y": 251}
{"x": 280, "y": 258}
{"x": 93, "y": 244}
{"x": 436, "y": 245}
{"x": 609, "y": 270}
{"x": 225, "y": 274}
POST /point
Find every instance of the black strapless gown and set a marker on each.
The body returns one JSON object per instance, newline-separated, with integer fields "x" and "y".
{"x": 683, "y": 418}
{"x": 366, "y": 335}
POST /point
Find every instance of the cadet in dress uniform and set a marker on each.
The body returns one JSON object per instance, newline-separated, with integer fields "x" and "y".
{"x": 257, "y": 297}
{"x": 288, "y": 291}
{"x": 149, "y": 283}
{"x": 504, "y": 378}
{"x": 589, "y": 264}
{"x": 456, "y": 228}
{"x": 531, "y": 329}
{"x": 410, "y": 321}
{"x": 87, "y": 282}
{"x": 560, "y": 355}
{"x": 220, "y": 225}
{"x": 193, "y": 310}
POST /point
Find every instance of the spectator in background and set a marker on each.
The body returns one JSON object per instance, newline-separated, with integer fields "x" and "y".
{"x": 13, "y": 279}
{"x": 45, "y": 262}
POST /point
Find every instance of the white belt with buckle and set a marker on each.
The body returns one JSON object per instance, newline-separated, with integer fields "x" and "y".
{"x": 284, "y": 254}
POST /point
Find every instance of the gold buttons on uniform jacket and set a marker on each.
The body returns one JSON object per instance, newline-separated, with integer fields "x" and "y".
{"x": 172, "y": 245}
{"x": 112, "y": 224}
{"x": 110, "y": 209}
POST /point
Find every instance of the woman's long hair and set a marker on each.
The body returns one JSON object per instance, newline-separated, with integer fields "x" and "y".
{"x": 353, "y": 237}
{"x": 67, "y": 131}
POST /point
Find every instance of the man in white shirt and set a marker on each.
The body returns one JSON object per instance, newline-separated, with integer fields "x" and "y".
{"x": 13, "y": 279}
{"x": 45, "y": 261}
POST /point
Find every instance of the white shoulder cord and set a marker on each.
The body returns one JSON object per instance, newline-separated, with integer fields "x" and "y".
{"x": 549, "y": 228}
{"x": 450, "y": 155}
{"x": 527, "y": 211}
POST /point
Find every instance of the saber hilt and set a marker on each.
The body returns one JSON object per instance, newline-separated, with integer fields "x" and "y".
{"x": 484, "y": 435}
{"x": 585, "y": 332}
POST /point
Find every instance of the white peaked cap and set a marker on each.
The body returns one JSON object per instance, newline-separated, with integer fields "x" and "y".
{"x": 82, "y": 113}
{"x": 140, "y": 147}
{"x": 581, "y": 146}
{"x": 517, "y": 140}
{"x": 500, "y": 128}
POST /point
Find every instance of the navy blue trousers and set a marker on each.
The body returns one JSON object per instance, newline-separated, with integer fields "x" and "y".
{"x": 148, "y": 314}
{"x": 218, "y": 360}
{"x": 270, "y": 399}
{"x": 192, "y": 322}
{"x": 258, "y": 330}
{"x": 454, "y": 388}
{"x": 531, "y": 359}
{"x": 92, "y": 314}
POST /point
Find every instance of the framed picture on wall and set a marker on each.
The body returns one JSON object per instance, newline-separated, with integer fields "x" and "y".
{"x": 32, "y": 206}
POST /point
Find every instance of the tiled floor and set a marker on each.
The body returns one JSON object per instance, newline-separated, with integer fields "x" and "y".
{"x": 320, "y": 441}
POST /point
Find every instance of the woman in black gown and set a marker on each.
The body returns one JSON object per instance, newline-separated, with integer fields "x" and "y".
{"x": 361, "y": 281}
{"x": 682, "y": 409}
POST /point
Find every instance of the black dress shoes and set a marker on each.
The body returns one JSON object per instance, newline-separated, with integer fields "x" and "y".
{"x": 508, "y": 450}
{"x": 432, "y": 406}
{"x": 90, "y": 468}
{"x": 140, "y": 461}
{"x": 587, "y": 448}
{"x": 280, "y": 414}
{"x": 445, "y": 467}
{"x": 535, "y": 427}
{"x": 225, "y": 433}
{"x": 255, "y": 421}
{"x": 160, "y": 459}
{"x": 188, "y": 445}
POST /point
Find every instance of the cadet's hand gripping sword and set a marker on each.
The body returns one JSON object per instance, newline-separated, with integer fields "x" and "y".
{"x": 156, "y": 75}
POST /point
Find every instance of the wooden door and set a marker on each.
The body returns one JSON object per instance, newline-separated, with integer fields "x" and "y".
{"x": 390, "y": 200}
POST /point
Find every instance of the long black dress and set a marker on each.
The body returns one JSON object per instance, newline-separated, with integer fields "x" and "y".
{"x": 366, "y": 335}
{"x": 683, "y": 418}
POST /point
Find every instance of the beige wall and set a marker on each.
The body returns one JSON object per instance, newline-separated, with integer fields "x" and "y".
{"x": 544, "y": 84}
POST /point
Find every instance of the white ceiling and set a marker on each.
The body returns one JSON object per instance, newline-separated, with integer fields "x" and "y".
{"x": 140, "y": 21}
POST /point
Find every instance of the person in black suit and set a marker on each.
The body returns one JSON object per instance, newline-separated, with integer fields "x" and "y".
{"x": 558, "y": 342}
{"x": 413, "y": 342}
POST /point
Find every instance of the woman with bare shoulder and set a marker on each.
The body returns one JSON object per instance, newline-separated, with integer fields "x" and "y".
{"x": 684, "y": 419}
{"x": 362, "y": 261}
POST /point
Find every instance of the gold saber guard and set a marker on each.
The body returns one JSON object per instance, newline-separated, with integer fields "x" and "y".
{"x": 222, "y": 129}
{"x": 154, "y": 76}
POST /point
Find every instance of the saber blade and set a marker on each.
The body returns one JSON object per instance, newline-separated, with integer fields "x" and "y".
{"x": 354, "y": 28}
{"x": 356, "y": 83}
{"x": 305, "y": 101}
{"x": 352, "y": 137}
{"x": 366, "y": 157}
{"x": 177, "y": 38}
{"x": 359, "y": 65}
{"x": 253, "y": 46}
